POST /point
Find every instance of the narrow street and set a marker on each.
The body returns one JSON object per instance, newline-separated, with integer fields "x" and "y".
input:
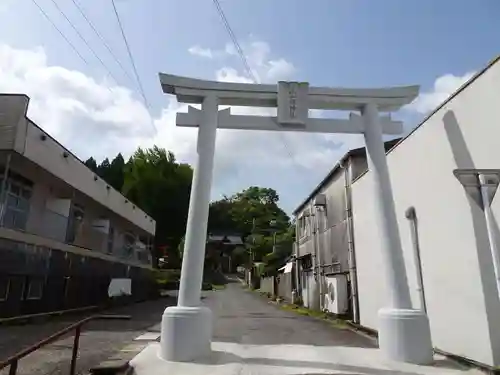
{"x": 248, "y": 331}
{"x": 254, "y": 336}
{"x": 244, "y": 317}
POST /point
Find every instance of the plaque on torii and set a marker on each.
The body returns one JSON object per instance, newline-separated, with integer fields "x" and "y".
{"x": 404, "y": 333}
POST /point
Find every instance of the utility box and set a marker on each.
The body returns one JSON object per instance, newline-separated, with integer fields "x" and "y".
{"x": 336, "y": 296}
{"x": 320, "y": 200}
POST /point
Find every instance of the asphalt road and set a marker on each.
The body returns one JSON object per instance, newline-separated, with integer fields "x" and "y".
{"x": 244, "y": 317}
{"x": 241, "y": 317}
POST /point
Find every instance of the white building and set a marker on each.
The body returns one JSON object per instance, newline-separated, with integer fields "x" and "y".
{"x": 457, "y": 272}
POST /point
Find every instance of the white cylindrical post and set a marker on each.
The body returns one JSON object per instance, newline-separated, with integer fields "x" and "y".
{"x": 404, "y": 333}
{"x": 196, "y": 229}
{"x": 488, "y": 215}
{"x": 386, "y": 213}
{"x": 186, "y": 330}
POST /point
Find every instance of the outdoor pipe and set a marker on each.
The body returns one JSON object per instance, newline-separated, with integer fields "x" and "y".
{"x": 318, "y": 250}
{"x": 411, "y": 215}
{"x": 488, "y": 215}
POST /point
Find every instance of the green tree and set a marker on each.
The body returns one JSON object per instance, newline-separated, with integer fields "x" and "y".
{"x": 91, "y": 164}
{"x": 220, "y": 217}
{"x": 115, "y": 175}
{"x": 103, "y": 169}
{"x": 161, "y": 187}
{"x": 256, "y": 207}
{"x": 250, "y": 213}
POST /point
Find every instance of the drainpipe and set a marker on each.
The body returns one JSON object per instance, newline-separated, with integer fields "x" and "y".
{"x": 411, "y": 215}
{"x": 314, "y": 259}
{"x": 488, "y": 215}
{"x": 318, "y": 254}
{"x": 350, "y": 241}
{"x": 298, "y": 291}
{"x": 3, "y": 191}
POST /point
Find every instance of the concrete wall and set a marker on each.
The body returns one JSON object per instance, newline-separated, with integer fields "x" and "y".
{"x": 332, "y": 229}
{"x": 50, "y": 205}
{"x": 462, "y": 301}
{"x": 267, "y": 285}
{"x": 333, "y": 240}
{"x": 13, "y": 121}
{"x": 49, "y": 154}
{"x": 285, "y": 283}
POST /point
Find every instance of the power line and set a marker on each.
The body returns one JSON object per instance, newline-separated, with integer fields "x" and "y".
{"x": 84, "y": 40}
{"x": 76, "y": 50}
{"x": 141, "y": 88}
{"x": 60, "y": 32}
{"x": 236, "y": 44}
{"x": 246, "y": 65}
{"x": 77, "y": 5}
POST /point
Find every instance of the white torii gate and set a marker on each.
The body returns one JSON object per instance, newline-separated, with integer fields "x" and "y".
{"x": 186, "y": 332}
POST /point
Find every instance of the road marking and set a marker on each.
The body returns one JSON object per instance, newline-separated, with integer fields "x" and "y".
{"x": 148, "y": 336}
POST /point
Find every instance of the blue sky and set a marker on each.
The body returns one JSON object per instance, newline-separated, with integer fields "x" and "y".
{"x": 351, "y": 43}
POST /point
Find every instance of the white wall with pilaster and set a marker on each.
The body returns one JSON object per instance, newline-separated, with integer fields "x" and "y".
{"x": 458, "y": 276}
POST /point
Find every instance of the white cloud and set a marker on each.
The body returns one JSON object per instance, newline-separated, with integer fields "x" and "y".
{"x": 93, "y": 120}
{"x": 202, "y": 52}
{"x": 444, "y": 86}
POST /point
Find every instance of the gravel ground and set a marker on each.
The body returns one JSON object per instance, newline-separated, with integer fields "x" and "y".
{"x": 99, "y": 340}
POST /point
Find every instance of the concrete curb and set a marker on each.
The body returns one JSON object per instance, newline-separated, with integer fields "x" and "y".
{"x": 118, "y": 364}
{"x": 44, "y": 316}
{"x": 25, "y": 319}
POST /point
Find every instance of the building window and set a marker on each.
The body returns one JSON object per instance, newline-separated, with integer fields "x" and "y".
{"x": 111, "y": 238}
{"x": 75, "y": 222}
{"x": 303, "y": 226}
{"x": 306, "y": 262}
{"x": 129, "y": 244}
{"x": 4, "y": 288}
{"x": 35, "y": 289}
{"x": 17, "y": 203}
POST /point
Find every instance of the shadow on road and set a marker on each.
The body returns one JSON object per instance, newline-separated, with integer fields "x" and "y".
{"x": 221, "y": 358}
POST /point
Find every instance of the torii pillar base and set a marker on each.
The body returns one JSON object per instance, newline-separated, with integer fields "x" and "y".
{"x": 186, "y": 333}
{"x": 404, "y": 336}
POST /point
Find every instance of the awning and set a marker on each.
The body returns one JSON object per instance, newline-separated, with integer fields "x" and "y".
{"x": 287, "y": 268}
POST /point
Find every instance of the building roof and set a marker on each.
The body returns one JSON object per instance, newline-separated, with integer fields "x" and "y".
{"x": 354, "y": 152}
{"x": 227, "y": 239}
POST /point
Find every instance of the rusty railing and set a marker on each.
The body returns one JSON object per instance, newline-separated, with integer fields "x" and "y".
{"x": 14, "y": 360}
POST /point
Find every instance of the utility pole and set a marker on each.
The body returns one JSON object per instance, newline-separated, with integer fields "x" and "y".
{"x": 250, "y": 260}
{"x": 272, "y": 224}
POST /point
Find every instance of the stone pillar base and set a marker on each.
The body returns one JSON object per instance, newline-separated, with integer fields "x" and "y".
{"x": 404, "y": 336}
{"x": 186, "y": 333}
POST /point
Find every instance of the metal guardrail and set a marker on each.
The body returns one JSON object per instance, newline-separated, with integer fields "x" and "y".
{"x": 14, "y": 360}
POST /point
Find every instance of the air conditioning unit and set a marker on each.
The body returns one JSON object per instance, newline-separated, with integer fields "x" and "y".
{"x": 320, "y": 200}
{"x": 336, "y": 296}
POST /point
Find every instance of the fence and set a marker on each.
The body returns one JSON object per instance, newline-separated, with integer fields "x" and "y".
{"x": 77, "y": 327}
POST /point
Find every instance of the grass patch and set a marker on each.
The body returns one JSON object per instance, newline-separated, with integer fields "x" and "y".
{"x": 327, "y": 317}
{"x": 218, "y": 286}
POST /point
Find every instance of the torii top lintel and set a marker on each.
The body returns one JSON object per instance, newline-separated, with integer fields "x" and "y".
{"x": 192, "y": 91}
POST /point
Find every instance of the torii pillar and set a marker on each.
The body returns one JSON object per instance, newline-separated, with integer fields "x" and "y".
{"x": 186, "y": 332}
